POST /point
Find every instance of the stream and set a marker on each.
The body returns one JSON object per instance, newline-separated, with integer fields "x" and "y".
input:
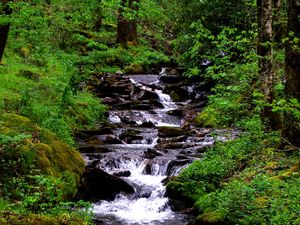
{"x": 147, "y": 140}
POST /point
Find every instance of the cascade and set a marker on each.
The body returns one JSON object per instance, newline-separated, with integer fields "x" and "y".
{"x": 147, "y": 142}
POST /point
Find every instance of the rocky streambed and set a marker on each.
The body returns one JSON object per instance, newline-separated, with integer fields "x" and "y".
{"x": 148, "y": 138}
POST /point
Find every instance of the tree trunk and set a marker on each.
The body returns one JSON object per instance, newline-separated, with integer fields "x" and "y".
{"x": 265, "y": 53}
{"x": 292, "y": 71}
{"x": 278, "y": 24}
{"x": 4, "y": 29}
{"x": 127, "y": 29}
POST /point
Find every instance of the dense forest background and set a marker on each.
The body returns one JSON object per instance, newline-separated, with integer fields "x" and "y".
{"x": 246, "y": 52}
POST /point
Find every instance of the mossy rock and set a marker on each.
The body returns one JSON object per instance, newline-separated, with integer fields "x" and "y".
{"x": 175, "y": 97}
{"x": 29, "y": 75}
{"x": 207, "y": 118}
{"x": 8, "y": 218}
{"x": 215, "y": 218}
{"x": 134, "y": 68}
{"x": 170, "y": 131}
{"x": 51, "y": 156}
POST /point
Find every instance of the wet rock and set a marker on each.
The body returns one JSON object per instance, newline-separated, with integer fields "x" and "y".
{"x": 148, "y": 95}
{"x": 123, "y": 105}
{"x": 147, "y": 124}
{"x": 97, "y": 184}
{"x": 148, "y": 169}
{"x": 108, "y": 139}
{"x": 92, "y": 149}
{"x": 177, "y": 139}
{"x": 131, "y": 136}
{"x": 151, "y": 153}
{"x": 170, "y": 79}
{"x": 177, "y": 163}
{"x": 126, "y": 173}
{"x": 181, "y": 156}
{"x": 170, "y": 131}
{"x": 93, "y": 164}
{"x": 203, "y": 132}
{"x": 89, "y": 133}
{"x": 176, "y": 112}
{"x": 141, "y": 107}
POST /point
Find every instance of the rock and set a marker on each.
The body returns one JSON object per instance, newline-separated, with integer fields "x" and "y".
{"x": 170, "y": 131}
{"x": 148, "y": 169}
{"x": 170, "y": 79}
{"x": 126, "y": 173}
{"x": 147, "y": 124}
{"x": 202, "y": 132}
{"x": 93, "y": 164}
{"x": 130, "y": 136}
{"x": 181, "y": 156}
{"x": 175, "y": 163}
{"x": 134, "y": 68}
{"x": 176, "y": 112}
{"x": 143, "y": 107}
{"x": 97, "y": 184}
{"x": 93, "y": 149}
{"x": 151, "y": 153}
{"x": 119, "y": 72}
{"x": 148, "y": 95}
{"x": 108, "y": 139}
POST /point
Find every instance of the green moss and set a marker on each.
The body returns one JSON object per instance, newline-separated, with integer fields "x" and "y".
{"x": 51, "y": 155}
{"x": 175, "y": 97}
{"x": 134, "y": 68}
{"x": 207, "y": 118}
{"x": 170, "y": 131}
{"x": 214, "y": 217}
{"x": 8, "y": 218}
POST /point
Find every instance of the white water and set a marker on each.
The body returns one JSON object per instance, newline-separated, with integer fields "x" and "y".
{"x": 139, "y": 209}
{"x": 147, "y": 206}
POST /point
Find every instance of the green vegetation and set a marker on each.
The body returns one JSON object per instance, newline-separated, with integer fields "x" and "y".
{"x": 56, "y": 47}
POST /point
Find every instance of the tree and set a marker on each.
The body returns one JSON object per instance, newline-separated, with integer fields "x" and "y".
{"x": 265, "y": 62}
{"x": 127, "y": 28}
{"x": 4, "y": 28}
{"x": 292, "y": 69}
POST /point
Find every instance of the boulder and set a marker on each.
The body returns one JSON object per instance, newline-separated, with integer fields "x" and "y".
{"x": 170, "y": 132}
{"x": 126, "y": 173}
{"x": 151, "y": 153}
{"x": 98, "y": 184}
{"x": 134, "y": 68}
{"x": 148, "y": 124}
{"x": 92, "y": 149}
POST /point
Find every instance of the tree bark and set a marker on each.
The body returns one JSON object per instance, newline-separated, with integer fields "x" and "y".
{"x": 265, "y": 47}
{"x": 278, "y": 23}
{"x": 265, "y": 62}
{"x": 127, "y": 29}
{"x": 292, "y": 71}
{"x": 4, "y": 29}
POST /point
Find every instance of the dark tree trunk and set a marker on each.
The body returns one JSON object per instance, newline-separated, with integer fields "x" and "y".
{"x": 265, "y": 53}
{"x": 292, "y": 70}
{"x": 127, "y": 29}
{"x": 4, "y": 29}
{"x": 278, "y": 21}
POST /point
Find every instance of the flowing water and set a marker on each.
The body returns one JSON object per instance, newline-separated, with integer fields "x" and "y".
{"x": 141, "y": 149}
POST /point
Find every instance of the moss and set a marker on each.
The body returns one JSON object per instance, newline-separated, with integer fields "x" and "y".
{"x": 134, "y": 68}
{"x": 8, "y": 218}
{"x": 214, "y": 217}
{"x": 170, "y": 131}
{"x": 51, "y": 155}
{"x": 207, "y": 118}
{"x": 175, "y": 97}
{"x": 16, "y": 121}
